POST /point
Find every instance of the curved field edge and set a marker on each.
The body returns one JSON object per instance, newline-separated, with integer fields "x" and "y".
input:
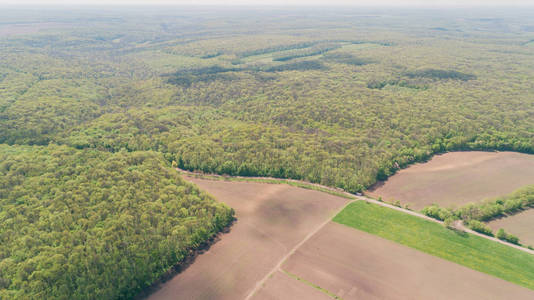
{"x": 465, "y": 249}
{"x": 356, "y": 180}
{"x": 271, "y": 180}
{"x": 477, "y": 216}
{"x": 86, "y": 224}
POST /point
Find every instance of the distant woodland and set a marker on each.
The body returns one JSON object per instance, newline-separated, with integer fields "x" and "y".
{"x": 98, "y": 106}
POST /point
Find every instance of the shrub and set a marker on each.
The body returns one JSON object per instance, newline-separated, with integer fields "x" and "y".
{"x": 449, "y": 223}
{"x": 436, "y": 212}
{"x": 502, "y": 235}
{"x": 493, "y": 208}
{"x": 479, "y": 227}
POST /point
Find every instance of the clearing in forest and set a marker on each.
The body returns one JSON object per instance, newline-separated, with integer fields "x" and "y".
{"x": 271, "y": 220}
{"x": 456, "y": 178}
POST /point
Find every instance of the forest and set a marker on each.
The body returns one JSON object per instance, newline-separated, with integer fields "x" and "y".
{"x": 93, "y": 224}
{"x": 98, "y": 105}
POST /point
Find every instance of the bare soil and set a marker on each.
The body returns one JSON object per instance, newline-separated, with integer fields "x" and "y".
{"x": 271, "y": 220}
{"x": 282, "y": 286}
{"x": 457, "y": 178}
{"x": 356, "y": 265}
{"x": 520, "y": 225}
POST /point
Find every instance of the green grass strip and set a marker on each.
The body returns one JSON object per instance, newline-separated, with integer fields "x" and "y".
{"x": 332, "y": 295}
{"x": 466, "y": 249}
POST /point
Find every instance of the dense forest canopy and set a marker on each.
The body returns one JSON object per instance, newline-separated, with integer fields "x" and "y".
{"x": 93, "y": 224}
{"x": 339, "y": 97}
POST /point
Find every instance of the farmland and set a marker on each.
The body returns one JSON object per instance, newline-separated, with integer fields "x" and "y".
{"x": 468, "y": 250}
{"x": 340, "y": 261}
{"x": 457, "y": 178}
{"x": 100, "y": 105}
{"x": 271, "y": 219}
{"x": 519, "y": 225}
{"x": 283, "y": 286}
{"x": 353, "y": 264}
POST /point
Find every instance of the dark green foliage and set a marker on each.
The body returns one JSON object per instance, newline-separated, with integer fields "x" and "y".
{"x": 380, "y": 84}
{"x": 211, "y": 55}
{"x": 207, "y": 74}
{"x": 346, "y": 58}
{"x": 307, "y": 65}
{"x": 479, "y": 227}
{"x": 503, "y": 235}
{"x": 474, "y": 214}
{"x": 317, "y": 123}
{"x": 202, "y": 89}
{"x": 277, "y": 49}
{"x": 257, "y": 119}
{"x": 420, "y": 79}
{"x": 95, "y": 225}
{"x": 436, "y": 212}
{"x": 487, "y": 210}
{"x": 316, "y": 50}
{"x": 440, "y": 74}
{"x": 498, "y": 207}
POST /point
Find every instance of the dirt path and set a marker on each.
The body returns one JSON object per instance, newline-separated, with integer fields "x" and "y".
{"x": 271, "y": 220}
{"x": 276, "y": 268}
{"x": 353, "y": 264}
{"x": 357, "y": 197}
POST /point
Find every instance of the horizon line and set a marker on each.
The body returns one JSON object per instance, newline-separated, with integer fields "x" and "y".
{"x": 336, "y": 5}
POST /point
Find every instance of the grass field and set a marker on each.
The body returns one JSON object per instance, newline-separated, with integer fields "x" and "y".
{"x": 468, "y": 250}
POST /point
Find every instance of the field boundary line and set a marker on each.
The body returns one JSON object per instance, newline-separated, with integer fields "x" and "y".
{"x": 259, "y": 284}
{"x": 315, "y": 286}
{"x": 347, "y": 195}
{"x": 462, "y": 226}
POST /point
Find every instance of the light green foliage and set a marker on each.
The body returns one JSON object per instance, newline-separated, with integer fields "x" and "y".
{"x": 332, "y": 98}
{"x": 489, "y": 209}
{"x": 469, "y": 250}
{"x": 311, "y": 116}
{"x": 86, "y": 224}
{"x": 479, "y": 227}
{"x": 503, "y": 235}
{"x": 436, "y": 212}
{"x": 515, "y": 202}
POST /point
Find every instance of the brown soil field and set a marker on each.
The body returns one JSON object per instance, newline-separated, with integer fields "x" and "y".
{"x": 356, "y": 265}
{"x": 456, "y": 178}
{"x": 521, "y": 225}
{"x": 282, "y": 286}
{"x": 271, "y": 220}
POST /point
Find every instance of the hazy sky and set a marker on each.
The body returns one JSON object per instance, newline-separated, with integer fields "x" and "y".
{"x": 278, "y": 2}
